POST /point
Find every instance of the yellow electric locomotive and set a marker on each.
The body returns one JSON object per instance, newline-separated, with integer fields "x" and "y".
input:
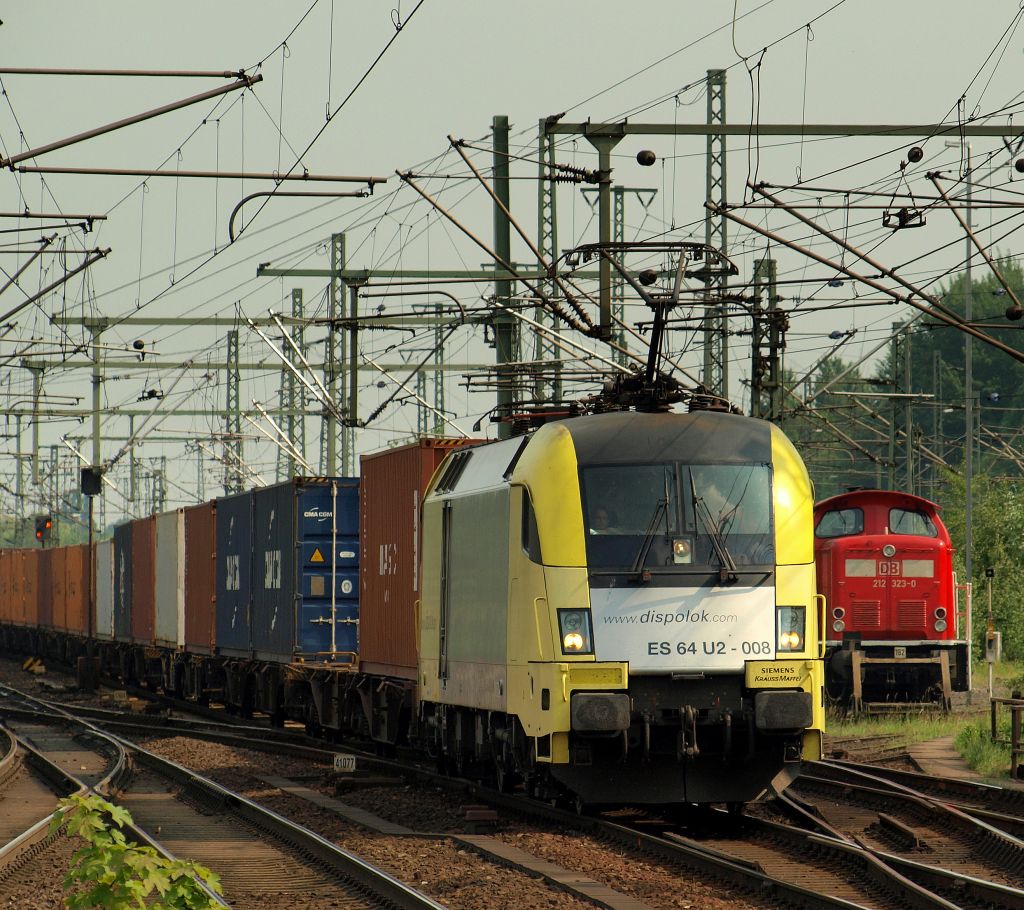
{"x": 621, "y": 608}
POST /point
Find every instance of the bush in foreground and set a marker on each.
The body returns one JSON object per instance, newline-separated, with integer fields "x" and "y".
{"x": 110, "y": 872}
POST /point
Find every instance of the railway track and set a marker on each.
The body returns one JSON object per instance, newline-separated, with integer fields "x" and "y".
{"x": 791, "y": 863}
{"x": 257, "y": 853}
{"x": 892, "y": 819}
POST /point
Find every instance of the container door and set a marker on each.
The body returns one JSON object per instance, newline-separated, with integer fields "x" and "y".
{"x": 234, "y": 574}
{"x": 328, "y": 548}
{"x": 105, "y": 589}
{"x": 273, "y": 587}
{"x": 170, "y": 569}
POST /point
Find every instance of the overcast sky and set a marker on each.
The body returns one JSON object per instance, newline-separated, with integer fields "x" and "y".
{"x": 450, "y": 68}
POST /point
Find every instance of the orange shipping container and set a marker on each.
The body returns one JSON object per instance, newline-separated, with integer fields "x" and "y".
{"x": 391, "y": 493}
{"x": 6, "y": 603}
{"x": 18, "y": 587}
{"x": 76, "y": 587}
{"x": 30, "y": 580}
{"x": 44, "y": 589}
{"x": 58, "y": 587}
{"x": 201, "y": 578}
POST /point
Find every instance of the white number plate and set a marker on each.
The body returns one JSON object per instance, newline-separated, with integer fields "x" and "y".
{"x": 344, "y": 762}
{"x": 898, "y": 651}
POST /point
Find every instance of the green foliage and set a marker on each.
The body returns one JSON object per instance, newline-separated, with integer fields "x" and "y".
{"x": 998, "y": 528}
{"x": 974, "y": 742}
{"x": 111, "y": 872}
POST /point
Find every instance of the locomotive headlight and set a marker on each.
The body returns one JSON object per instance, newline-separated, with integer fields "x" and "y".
{"x": 888, "y": 551}
{"x": 838, "y": 626}
{"x": 839, "y": 613}
{"x": 574, "y": 626}
{"x": 682, "y": 551}
{"x": 940, "y": 625}
{"x": 790, "y": 627}
{"x": 940, "y": 612}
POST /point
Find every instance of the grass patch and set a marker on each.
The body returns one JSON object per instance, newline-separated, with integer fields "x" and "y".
{"x": 989, "y": 759}
{"x": 905, "y": 730}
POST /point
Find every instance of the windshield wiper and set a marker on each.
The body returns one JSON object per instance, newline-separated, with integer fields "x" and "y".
{"x": 727, "y": 572}
{"x": 645, "y": 547}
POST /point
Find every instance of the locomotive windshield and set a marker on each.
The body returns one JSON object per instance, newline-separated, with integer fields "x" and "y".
{"x": 906, "y": 521}
{"x": 840, "y": 523}
{"x": 678, "y": 515}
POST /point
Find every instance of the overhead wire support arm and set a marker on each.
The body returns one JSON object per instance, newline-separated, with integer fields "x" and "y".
{"x": 418, "y": 398}
{"x": 44, "y": 242}
{"x": 243, "y": 82}
{"x": 933, "y": 176}
{"x": 94, "y": 256}
{"x": 552, "y": 305}
{"x": 315, "y": 392}
{"x": 931, "y": 308}
{"x": 357, "y": 194}
{"x": 186, "y": 74}
{"x": 549, "y": 267}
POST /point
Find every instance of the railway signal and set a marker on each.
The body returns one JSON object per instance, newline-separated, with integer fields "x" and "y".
{"x": 44, "y": 525}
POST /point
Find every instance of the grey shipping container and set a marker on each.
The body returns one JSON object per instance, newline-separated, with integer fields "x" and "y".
{"x": 170, "y": 579}
{"x": 104, "y": 627}
{"x": 234, "y": 574}
{"x": 305, "y": 590}
{"x": 123, "y": 582}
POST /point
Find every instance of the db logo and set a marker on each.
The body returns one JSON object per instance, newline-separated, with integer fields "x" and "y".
{"x": 889, "y": 568}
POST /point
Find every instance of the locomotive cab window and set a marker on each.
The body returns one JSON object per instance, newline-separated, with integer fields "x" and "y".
{"x": 531, "y": 536}
{"x": 840, "y": 523}
{"x": 641, "y": 516}
{"x": 908, "y": 521}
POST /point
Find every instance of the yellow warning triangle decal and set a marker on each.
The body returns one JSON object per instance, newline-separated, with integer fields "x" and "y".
{"x": 317, "y": 556}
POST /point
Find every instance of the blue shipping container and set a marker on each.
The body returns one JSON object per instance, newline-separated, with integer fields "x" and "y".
{"x": 234, "y": 574}
{"x": 306, "y": 533}
{"x": 123, "y": 582}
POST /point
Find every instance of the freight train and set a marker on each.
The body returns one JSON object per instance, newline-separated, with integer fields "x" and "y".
{"x": 885, "y": 566}
{"x": 615, "y": 608}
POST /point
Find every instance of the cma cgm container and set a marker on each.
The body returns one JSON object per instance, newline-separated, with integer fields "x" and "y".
{"x": 234, "y": 574}
{"x": 306, "y": 533}
{"x": 392, "y": 484}
{"x": 104, "y": 626}
{"x": 170, "y": 579}
{"x": 200, "y": 578}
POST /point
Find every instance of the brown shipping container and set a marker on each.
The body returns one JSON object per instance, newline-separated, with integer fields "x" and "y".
{"x": 391, "y": 493}
{"x": 6, "y": 601}
{"x": 58, "y": 589}
{"x": 18, "y": 587}
{"x": 44, "y": 589}
{"x": 30, "y": 580}
{"x": 76, "y": 567}
{"x": 201, "y": 578}
{"x": 144, "y": 579}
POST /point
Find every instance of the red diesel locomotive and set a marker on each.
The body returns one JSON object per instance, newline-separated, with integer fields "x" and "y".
{"x": 885, "y": 566}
